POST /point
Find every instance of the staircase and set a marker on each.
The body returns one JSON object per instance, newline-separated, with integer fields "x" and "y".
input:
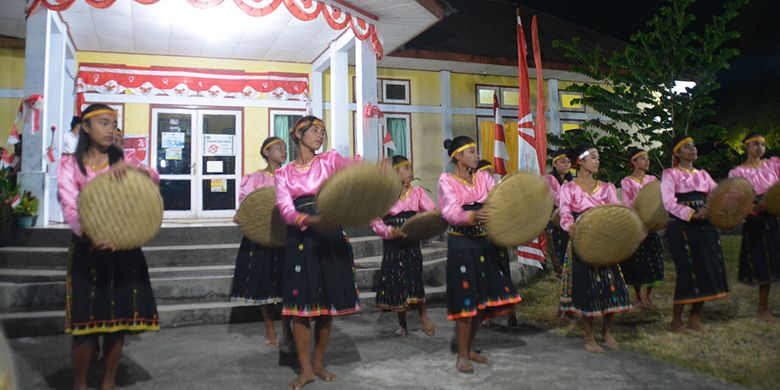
{"x": 190, "y": 267}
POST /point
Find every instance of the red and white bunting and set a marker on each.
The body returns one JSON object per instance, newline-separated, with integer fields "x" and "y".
{"x": 17, "y": 200}
{"x": 500, "y": 154}
{"x": 13, "y": 137}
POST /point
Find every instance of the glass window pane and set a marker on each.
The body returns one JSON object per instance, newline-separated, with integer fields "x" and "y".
{"x": 174, "y": 143}
{"x": 570, "y": 125}
{"x": 567, "y": 101}
{"x": 282, "y": 125}
{"x": 510, "y": 97}
{"x": 224, "y": 127}
{"x": 219, "y": 194}
{"x": 175, "y": 194}
{"x": 398, "y": 129}
{"x": 395, "y": 91}
{"x": 485, "y": 96}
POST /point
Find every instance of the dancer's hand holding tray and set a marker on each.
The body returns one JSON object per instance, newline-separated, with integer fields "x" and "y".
{"x": 259, "y": 219}
{"x": 125, "y": 212}
{"x": 424, "y": 225}
{"x": 357, "y": 194}
{"x": 650, "y": 207}
{"x": 519, "y": 209}
{"x": 607, "y": 235}
{"x": 772, "y": 200}
{"x": 730, "y": 202}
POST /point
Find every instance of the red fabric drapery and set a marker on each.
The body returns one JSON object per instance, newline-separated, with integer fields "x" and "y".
{"x": 185, "y": 82}
{"x": 305, "y": 10}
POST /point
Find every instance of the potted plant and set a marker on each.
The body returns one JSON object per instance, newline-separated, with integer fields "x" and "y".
{"x": 7, "y": 193}
{"x": 26, "y": 210}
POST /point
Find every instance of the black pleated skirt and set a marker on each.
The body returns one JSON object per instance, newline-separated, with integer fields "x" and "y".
{"x": 593, "y": 291}
{"x": 759, "y": 258}
{"x": 646, "y": 266}
{"x": 698, "y": 260}
{"x": 256, "y": 278}
{"x": 400, "y": 281}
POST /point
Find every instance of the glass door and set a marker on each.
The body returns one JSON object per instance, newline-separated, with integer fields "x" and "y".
{"x": 196, "y": 153}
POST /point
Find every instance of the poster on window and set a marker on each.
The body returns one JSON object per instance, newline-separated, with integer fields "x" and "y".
{"x": 172, "y": 140}
{"x": 219, "y": 185}
{"x": 218, "y": 145}
{"x": 136, "y": 146}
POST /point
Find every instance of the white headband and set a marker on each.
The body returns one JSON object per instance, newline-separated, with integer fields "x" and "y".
{"x": 583, "y": 155}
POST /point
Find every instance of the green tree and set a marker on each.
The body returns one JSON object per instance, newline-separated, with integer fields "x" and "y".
{"x": 634, "y": 88}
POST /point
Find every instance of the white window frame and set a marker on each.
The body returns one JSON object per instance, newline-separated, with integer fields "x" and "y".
{"x": 407, "y": 87}
{"x": 560, "y": 101}
{"x": 495, "y": 89}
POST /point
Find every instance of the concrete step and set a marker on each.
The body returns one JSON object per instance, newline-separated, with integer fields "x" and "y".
{"x": 42, "y": 322}
{"x": 48, "y": 257}
{"x": 26, "y": 288}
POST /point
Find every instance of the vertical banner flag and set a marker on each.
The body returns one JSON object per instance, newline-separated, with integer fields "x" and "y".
{"x": 500, "y": 154}
{"x": 528, "y": 136}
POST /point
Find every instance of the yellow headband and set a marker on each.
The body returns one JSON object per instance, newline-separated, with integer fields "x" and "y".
{"x": 558, "y": 157}
{"x": 272, "y": 143}
{"x": 309, "y": 122}
{"x": 98, "y": 112}
{"x": 682, "y": 142}
{"x": 489, "y": 166}
{"x": 462, "y": 148}
{"x": 756, "y": 138}
{"x": 404, "y": 163}
{"x": 637, "y": 154}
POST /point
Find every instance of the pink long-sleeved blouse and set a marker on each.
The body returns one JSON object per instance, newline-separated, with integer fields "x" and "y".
{"x": 254, "y": 181}
{"x": 679, "y": 181}
{"x": 70, "y": 181}
{"x": 761, "y": 177}
{"x": 454, "y": 193}
{"x": 413, "y": 199}
{"x": 555, "y": 187}
{"x": 294, "y": 181}
{"x": 631, "y": 186}
{"x": 574, "y": 199}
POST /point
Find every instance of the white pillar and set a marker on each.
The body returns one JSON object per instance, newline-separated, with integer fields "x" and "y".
{"x": 32, "y": 176}
{"x": 446, "y": 114}
{"x": 367, "y": 137}
{"x": 316, "y": 93}
{"x": 553, "y": 106}
{"x": 339, "y": 101}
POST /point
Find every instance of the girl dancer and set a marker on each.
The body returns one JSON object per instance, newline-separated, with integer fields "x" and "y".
{"x": 318, "y": 273}
{"x": 478, "y": 278}
{"x": 759, "y": 258}
{"x": 257, "y": 274}
{"x": 595, "y": 291}
{"x": 693, "y": 241}
{"x": 401, "y": 275}
{"x": 559, "y": 176}
{"x": 107, "y": 292}
{"x": 646, "y": 266}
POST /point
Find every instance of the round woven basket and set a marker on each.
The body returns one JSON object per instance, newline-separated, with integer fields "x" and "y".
{"x": 650, "y": 207}
{"x": 730, "y": 202}
{"x": 424, "y": 225}
{"x": 357, "y": 194}
{"x": 608, "y": 234}
{"x": 556, "y": 218}
{"x": 772, "y": 200}
{"x": 125, "y": 213}
{"x": 260, "y": 220}
{"x": 520, "y": 208}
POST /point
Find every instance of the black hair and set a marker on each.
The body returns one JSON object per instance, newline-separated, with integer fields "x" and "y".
{"x": 304, "y": 124}
{"x": 751, "y": 135}
{"x": 576, "y": 152}
{"x": 455, "y": 143}
{"x": 74, "y": 122}
{"x": 567, "y": 176}
{"x": 398, "y": 158}
{"x": 484, "y": 163}
{"x": 114, "y": 152}
{"x": 265, "y": 143}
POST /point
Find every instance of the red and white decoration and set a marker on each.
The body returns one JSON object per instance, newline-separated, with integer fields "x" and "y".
{"x": 532, "y": 142}
{"x": 500, "y": 154}
{"x": 183, "y": 82}
{"x": 337, "y": 18}
{"x": 32, "y": 111}
{"x": 373, "y": 111}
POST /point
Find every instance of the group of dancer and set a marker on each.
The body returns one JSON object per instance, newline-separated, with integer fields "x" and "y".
{"x": 312, "y": 278}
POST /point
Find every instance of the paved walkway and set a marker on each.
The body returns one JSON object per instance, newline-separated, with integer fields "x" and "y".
{"x": 364, "y": 355}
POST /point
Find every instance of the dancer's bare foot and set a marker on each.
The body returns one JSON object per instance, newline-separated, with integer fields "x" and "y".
{"x": 272, "y": 342}
{"x": 324, "y": 374}
{"x": 610, "y": 342}
{"x": 401, "y": 332}
{"x": 427, "y": 326}
{"x": 303, "y": 379}
{"x": 511, "y": 319}
{"x": 677, "y": 326}
{"x": 765, "y": 316}
{"x": 475, "y": 357}
{"x": 694, "y": 324}
{"x": 486, "y": 324}
{"x": 591, "y": 346}
{"x": 464, "y": 366}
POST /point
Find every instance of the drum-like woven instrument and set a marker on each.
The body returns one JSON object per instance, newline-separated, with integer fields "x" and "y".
{"x": 259, "y": 218}
{"x": 125, "y": 213}
{"x": 520, "y": 208}
{"x": 608, "y": 234}
{"x": 357, "y": 194}
{"x": 424, "y": 225}
{"x": 730, "y": 202}
{"x": 772, "y": 200}
{"x": 650, "y": 206}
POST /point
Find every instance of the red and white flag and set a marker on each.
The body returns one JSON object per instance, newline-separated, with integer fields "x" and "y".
{"x": 6, "y": 160}
{"x": 13, "y": 138}
{"x": 500, "y": 155}
{"x": 530, "y": 137}
{"x": 388, "y": 141}
{"x": 16, "y": 201}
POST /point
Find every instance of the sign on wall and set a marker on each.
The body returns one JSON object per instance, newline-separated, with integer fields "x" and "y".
{"x": 218, "y": 145}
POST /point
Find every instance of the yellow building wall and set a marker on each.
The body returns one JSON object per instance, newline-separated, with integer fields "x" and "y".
{"x": 427, "y": 149}
{"x": 11, "y": 77}
{"x": 464, "y": 87}
{"x": 256, "y": 119}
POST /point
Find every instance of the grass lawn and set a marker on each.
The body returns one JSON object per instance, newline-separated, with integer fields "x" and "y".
{"x": 734, "y": 346}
